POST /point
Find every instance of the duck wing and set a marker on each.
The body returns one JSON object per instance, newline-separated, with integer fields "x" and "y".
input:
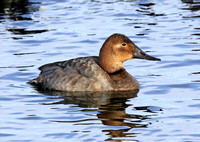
{"x": 79, "y": 74}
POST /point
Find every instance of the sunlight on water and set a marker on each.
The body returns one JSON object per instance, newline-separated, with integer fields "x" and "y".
{"x": 36, "y": 32}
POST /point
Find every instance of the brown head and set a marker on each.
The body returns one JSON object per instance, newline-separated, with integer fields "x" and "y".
{"x": 117, "y": 49}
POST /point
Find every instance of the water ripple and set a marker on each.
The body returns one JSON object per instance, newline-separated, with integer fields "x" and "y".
{"x": 166, "y": 107}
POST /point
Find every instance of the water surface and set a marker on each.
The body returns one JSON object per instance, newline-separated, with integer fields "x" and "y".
{"x": 166, "y": 108}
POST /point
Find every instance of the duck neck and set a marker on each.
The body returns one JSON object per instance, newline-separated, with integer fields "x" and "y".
{"x": 110, "y": 63}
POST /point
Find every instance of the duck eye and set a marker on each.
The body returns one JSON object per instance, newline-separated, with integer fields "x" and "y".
{"x": 123, "y": 44}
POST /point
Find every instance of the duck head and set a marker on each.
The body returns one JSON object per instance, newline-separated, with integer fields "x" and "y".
{"x": 117, "y": 49}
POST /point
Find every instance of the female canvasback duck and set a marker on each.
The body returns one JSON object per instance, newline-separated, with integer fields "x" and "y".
{"x": 93, "y": 73}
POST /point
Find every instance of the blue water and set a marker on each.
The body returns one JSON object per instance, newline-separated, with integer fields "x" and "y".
{"x": 36, "y": 32}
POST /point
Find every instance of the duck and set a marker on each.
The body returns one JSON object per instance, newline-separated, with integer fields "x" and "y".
{"x": 94, "y": 73}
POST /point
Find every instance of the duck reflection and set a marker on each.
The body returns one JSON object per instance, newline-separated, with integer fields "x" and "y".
{"x": 101, "y": 100}
{"x": 114, "y": 114}
{"x": 111, "y": 109}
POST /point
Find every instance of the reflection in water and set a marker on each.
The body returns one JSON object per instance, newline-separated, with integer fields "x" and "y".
{"x": 114, "y": 114}
{"x": 194, "y": 5}
{"x": 196, "y": 73}
{"x": 19, "y": 10}
{"x": 147, "y": 9}
{"x": 14, "y": 9}
{"x": 92, "y": 99}
{"x": 111, "y": 110}
{"x": 24, "y": 31}
{"x": 191, "y": 1}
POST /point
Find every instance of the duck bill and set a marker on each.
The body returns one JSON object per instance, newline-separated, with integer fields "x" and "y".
{"x": 139, "y": 54}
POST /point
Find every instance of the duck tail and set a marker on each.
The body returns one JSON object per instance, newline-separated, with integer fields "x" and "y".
{"x": 33, "y": 81}
{"x": 37, "y": 81}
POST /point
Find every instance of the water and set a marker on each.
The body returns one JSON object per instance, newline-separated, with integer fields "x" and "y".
{"x": 36, "y": 32}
